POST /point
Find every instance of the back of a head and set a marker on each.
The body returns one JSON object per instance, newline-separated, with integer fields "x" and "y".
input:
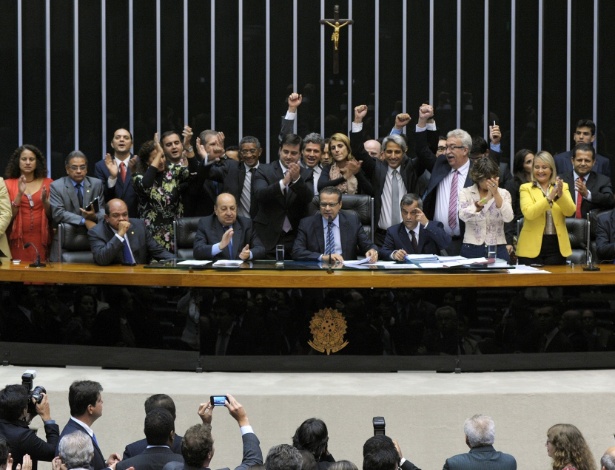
{"x": 160, "y": 401}
{"x": 343, "y": 465}
{"x": 159, "y": 424}
{"x": 479, "y": 430}
{"x": 283, "y": 457}
{"x": 81, "y": 394}
{"x": 379, "y": 453}
{"x": 569, "y": 446}
{"x": 308, "y": 462}
{"x": 312, "y": 435}
{"x": 4, "y": 452}
{"x": 197, "y": 445}
{"x": 13, "y": 400}
{"x": 76, "y": 450}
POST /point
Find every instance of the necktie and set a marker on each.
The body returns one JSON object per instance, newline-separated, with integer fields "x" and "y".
{"x": 230, "y": 244}
{"x": 415, "y": 245}
{"x": 395, "y": 212}
{"x": 330, "y": 245}
{"x": 579, "y": 200}
{"x": 123, "y": 171}
{"x": 452, "y": 205}
{"x": 128, "y": 259}
{"x": 79, "y": 194}
{"x": 246, "y": 193}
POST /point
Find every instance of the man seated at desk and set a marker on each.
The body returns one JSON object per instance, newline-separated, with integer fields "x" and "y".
{"x": 224, "y": 235}
{"x": 118, "y": 239}
{"x": 332, "y": 236}
{"x": 416, "y": 234}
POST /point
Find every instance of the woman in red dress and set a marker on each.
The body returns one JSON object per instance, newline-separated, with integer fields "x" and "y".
{"x": 28, "y": 186}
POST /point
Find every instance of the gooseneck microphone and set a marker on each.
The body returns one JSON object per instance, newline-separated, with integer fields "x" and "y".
{"x": 37, "y": 263}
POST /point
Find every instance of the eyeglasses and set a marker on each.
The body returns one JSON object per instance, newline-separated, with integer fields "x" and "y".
{"x": 75, "y": 167}
{"x": 324, "y": 205}
{"x": 450, "y": 148}
{"x": 249, "y": 151}
{"x": 442, "y": 148}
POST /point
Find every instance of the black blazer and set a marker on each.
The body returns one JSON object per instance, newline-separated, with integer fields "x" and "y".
{"x": 600, "y": 188}
{"x": 210, "y": 232}
{"x": 485, "y": 458}
{"x": 23, "y": 440}
{"x": 231, "y": 175}
{"x": 121, "y": 190}
{"x": 432, "y": 240}
{"x": 153, "y": 458}
{"x": 98, "y": 461}
{"x": 138, "y": 447}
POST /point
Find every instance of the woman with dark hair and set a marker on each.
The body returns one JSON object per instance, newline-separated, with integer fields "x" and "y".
{"x": 522, "y": 173}
{"x": 28, "y": 187}
{"x": 158, "y": 186}
{"x": 568, "y": 448}
{"x": 345, "y": 171}
{"x": 312, "y": 435}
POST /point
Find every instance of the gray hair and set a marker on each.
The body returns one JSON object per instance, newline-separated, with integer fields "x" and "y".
{"x": 480, "y": 430}
{"x": 409, "y": 199}
{"x": 466, "y": 139}
{"x": 283, "y": 457}
{"x": 608, "y": 462}
{"x": 396, "y": 139}
{"x": 76, "y": 450}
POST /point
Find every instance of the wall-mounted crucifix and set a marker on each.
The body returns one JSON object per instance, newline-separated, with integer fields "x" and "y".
{"x": 336, "y": 23}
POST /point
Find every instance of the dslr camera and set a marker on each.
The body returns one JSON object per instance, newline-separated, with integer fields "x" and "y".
{"x": 34, "y": 394}
{"x": 379, "y": 425}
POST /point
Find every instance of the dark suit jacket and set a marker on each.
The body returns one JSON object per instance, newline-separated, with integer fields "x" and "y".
{"x": 107, "y": 248}
{"x": 232, "y": 175}
{"x": 64, "y": 202}
{"x": 431, "y": 240}
{"x": 98, "y": 461}
{"x": 483, "y": 458}
{"x": 376, "y": 172}
{"x": 364, "y": 184}
{"x": 605, "y": 236}
{"x": 600, "y": 188}
{"x": 23, "y": 440}
{"x": 210, "y": 232}
{"x": 310, "y": 241}
{"x": 153, "y": 458}
{"x": 138, "y": 447}
{"x": 563, "y": 164}
{"x": 121, "y": 190}
{"x": 274, "y": 206}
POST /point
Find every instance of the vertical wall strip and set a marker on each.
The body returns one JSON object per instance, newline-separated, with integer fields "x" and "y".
{"x": 404, "y": 59}
{"x": 48, "y": 80}
{"x": 541, "y": 24}
{"x": 103, "y": 74}
{"x": 458, "y": 64}
{"x": 212, "y": 63}
{"x": 295, "y": 55}
{"x": 322, "y": 71}
{"x": 131, "y": 70}
{"x": 486, "y": 120}
{"x": 186, "y": 101}
{"x": 240, "y": 68}
{"x": 376, "y": 68}
{"x": 76, "y": 69}
{"x": 513, "y": 71}
{"x": 349, "y": 78}
{"x": 431, "y": 50}
{"x": 568, "y": 70}
{"x": 19, "y": 76}
{"x": 158, "y": 72}
{"x": 268, "y": 81}
{"x": 595, "y": 70}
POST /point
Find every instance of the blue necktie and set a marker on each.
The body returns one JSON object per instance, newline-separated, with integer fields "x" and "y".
{"x": 330, "y": 245}
{"x": 128, "y": 259}
{"x": 79, "y": 194}
{"x": 230, "y": 244}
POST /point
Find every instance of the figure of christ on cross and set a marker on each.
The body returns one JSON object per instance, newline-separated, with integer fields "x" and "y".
{"x": 335, "y": 37}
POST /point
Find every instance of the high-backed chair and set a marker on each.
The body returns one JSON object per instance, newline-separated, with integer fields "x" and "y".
{"x": 577, "y": 233}
{"x": 71, "y": 244}
{"x": 360, "y": 204}
{"x": 185, "y": 230}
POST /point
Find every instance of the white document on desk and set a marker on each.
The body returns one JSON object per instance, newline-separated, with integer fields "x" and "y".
{"x": 193, "y": 262}
{"x": 523, "y": 269}
{"x": 358, "y": 263}
{"x": 228, "y": 263}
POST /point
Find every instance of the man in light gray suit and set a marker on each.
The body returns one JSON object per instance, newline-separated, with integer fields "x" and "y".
{"x": 480, "y": 434}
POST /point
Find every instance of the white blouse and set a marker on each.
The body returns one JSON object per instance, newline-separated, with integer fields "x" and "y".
{"x": 485, "y": 227}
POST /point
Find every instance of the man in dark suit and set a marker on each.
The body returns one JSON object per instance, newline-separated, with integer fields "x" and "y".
{"x": 155, "y": 401}
{"x": 480, "y": 435}
{"x": 198, "y": 444}
{"x": 118, "y": 239}
{"x": 390, "y": 178}
{"x": 86, "y": 406}
{"x": 589, "y": 189}
{"x": 283, "y": 197}
{"x": 381, "y": 452}
{"x": 450, "y": 170}
{"x": 415, "y": 235}
{"x": 585, "y": 133}
{"x": 14, "y": 421}
{"x": 605, "y": 237}
{"x": 224, "y": 235}
{"x": 71, "y": 195}
{"x": 313, "y": 242}
{"x": 115, "y": 172}
{"x": 159, "y": 431}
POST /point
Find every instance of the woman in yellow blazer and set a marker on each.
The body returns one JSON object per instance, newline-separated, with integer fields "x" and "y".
{"x": 6, "y": 214}
{"x": 545, "y": 203}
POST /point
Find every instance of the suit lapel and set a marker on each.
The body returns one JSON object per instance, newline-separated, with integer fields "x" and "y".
{"x": 405, "y": 239}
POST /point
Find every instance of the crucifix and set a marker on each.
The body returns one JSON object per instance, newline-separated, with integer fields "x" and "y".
{"x": 335, "y": 37}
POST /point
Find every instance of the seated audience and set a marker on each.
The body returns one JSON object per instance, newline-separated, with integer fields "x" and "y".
{"x": 225, "y": 235}
{"x": 416, "y": 234}
{"x": 330, "y": 235}
{"x": 480, "y": 435}
{"x": 118, "y": 239}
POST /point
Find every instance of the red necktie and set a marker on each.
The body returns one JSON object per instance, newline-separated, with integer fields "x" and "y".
{"x": 123, "y": 171}
{"x": 579, "y": 200}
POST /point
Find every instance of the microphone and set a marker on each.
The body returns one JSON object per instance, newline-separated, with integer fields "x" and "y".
{"x": 37, "y": 263}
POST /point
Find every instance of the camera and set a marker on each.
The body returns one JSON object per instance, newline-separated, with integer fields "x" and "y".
{"x": 217, "y": 400}
{"x": 379, "y": 425}
{"x": 34, "y": 394}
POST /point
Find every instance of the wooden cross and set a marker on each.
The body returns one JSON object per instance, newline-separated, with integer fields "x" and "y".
{"x": 335, "y": 37}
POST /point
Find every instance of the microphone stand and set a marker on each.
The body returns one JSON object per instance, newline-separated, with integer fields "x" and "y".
{"x": 37, "y": 263}
{"x": 588, "y": 254}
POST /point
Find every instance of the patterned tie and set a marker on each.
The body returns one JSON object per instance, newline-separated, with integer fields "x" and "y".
{"x": 395, "y": 212}
{"x": 330, "y": 245}
{"x": 452, "y": 205}
{"x": 415, "y": 245}
{"x": 128, "y": 259}
{"x": 579, "y": 200}
{"x": 246, "y": 193}
{"x": 79, "y": 194}
{"x": 123, "y": 171}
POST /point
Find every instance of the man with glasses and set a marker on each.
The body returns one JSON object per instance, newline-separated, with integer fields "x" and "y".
{"x": 71, "y": 196}
{"x": 332, "y": 236}
{"x": 450, "y": 173}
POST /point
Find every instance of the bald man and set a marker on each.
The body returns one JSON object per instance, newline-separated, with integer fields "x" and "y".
{"x": 608, "y": 459}
{"x": 373, "y": 148}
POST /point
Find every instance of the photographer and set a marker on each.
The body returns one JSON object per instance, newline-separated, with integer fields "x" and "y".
{"x": 14, "y": 421}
